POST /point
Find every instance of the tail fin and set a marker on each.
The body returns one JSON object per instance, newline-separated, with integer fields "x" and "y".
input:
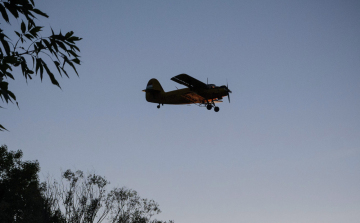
{"x": 154, "y": 86}
{"x": 153, "y": 91}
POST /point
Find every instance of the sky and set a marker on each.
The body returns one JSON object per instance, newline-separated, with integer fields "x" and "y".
{"x": 287, "y": 147}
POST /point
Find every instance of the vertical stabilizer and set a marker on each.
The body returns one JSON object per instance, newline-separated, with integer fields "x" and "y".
{"x": 153, "y": 91}
{"x": 154, "y": 85}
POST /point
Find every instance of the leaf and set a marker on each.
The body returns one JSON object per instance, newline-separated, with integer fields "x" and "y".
{"x": 62, "y": 46}
{"x": 12, "y": 9}
{"x": 11, "y": 95}
{"x": 41, "y": 72}
{"x": 76, "y": 60}
{"x": 73, "y": 53}
{"x": 48, "y": 45}
{"x": 57, "y": 64}
{"x": 72, "y": 65}
{"x": 2, "y": 128}
{"x": 51, "y": 75}
{"x": 24, "y": 68}
{"x": 9, "y": 75}
{"x": 54, "y": 45}
{"x": 6, "y": 46}
{"x": 68, "y": 34}
{"x": 77, "y": 48}
{"x": 64, "y": 72}
{"x": 18, "y": 34}
{"x": 30, "y": 21}
{"x": 74, "y": 38}
{"x": 38, "y": 64}
{"x": 35, "y": 30}
{"x": 29, "y": 36}
{"x": 30, "y": 25}
{"x": 23, "y": 27}
{"x": 37, "y": 11}
{"x": 4, "y": 14}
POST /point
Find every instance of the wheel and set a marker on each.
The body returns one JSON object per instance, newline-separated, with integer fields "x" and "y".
{"x": 158, "y": 106}
{"x": 208, "y": 107}
{"x": 216, "y": 109}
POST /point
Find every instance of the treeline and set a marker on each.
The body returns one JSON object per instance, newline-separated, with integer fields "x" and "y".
{"x": 76, "y": 197}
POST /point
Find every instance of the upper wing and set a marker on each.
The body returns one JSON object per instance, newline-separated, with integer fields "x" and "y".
{"x": 188, "y": 81}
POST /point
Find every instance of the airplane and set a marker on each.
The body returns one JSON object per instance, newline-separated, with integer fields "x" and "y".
{"x": 197, "y": 92}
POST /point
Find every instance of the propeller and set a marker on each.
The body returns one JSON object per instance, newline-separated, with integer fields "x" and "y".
{"x": 228, "y": 90}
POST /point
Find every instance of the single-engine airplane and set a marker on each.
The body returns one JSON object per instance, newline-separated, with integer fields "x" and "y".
{"x": 197, "y": 92}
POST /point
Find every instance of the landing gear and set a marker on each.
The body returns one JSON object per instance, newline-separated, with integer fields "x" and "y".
{"x": 210, "y": 106}
{"x": 158, "y": 106}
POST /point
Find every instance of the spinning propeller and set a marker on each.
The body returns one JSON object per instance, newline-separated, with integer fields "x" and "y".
{"x": 227, "y": 90}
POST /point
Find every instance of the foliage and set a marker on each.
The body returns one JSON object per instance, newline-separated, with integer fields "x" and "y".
{"x": 31, "y": 52}
{"x": 85, "y": 199}
{"x": 21, "y": 197}
{"x": 76, "y": 198}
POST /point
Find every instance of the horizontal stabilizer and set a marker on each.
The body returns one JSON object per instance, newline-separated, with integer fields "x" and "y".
{"x": 150, "y": 90}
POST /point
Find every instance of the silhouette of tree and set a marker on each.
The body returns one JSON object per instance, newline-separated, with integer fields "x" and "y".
{"x": 21, "y": 197}
{"x": 75, "y": 198}
{"x": 30, "y": 53}
{"x": 85, "y": 199}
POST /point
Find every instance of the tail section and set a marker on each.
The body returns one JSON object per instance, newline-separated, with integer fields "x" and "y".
{"x": 153, "y": 91}
{"x": 154, "y": 85}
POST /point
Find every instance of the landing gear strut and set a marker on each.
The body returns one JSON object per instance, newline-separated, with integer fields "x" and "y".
{"x": 209, "y": 106}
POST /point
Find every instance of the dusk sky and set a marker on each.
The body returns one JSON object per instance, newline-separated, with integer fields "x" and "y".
{"x": 287, "y": 147}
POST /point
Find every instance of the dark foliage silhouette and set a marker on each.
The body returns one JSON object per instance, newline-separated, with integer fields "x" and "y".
{"x": 31, "y": 53}
{"x": 75, "y": 198}
{"x": 81, "y": 198}
{"x": 21, "y": 197}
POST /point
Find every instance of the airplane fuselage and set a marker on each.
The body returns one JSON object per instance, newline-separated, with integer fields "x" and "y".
{"x": 196, "y": 92}
{"x": 186, "y": 96}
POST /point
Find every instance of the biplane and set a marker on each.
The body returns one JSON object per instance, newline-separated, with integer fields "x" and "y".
{"x": 197, "y": 92}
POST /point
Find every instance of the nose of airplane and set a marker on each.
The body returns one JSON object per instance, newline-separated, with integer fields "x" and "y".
{"x": 228, "y": 91}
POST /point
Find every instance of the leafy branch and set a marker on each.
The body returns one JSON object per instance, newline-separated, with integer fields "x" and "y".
{"x": 31, "y": 46}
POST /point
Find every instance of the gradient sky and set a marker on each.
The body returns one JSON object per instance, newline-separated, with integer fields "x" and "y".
{"x": 287, "y": 147}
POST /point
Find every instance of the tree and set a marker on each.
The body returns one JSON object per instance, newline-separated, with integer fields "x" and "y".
{"x": 31, "y": 53}
{"x": 21, "y": 197}
{"x": 75, "y": 198}
{"x": 85, "y": 199}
